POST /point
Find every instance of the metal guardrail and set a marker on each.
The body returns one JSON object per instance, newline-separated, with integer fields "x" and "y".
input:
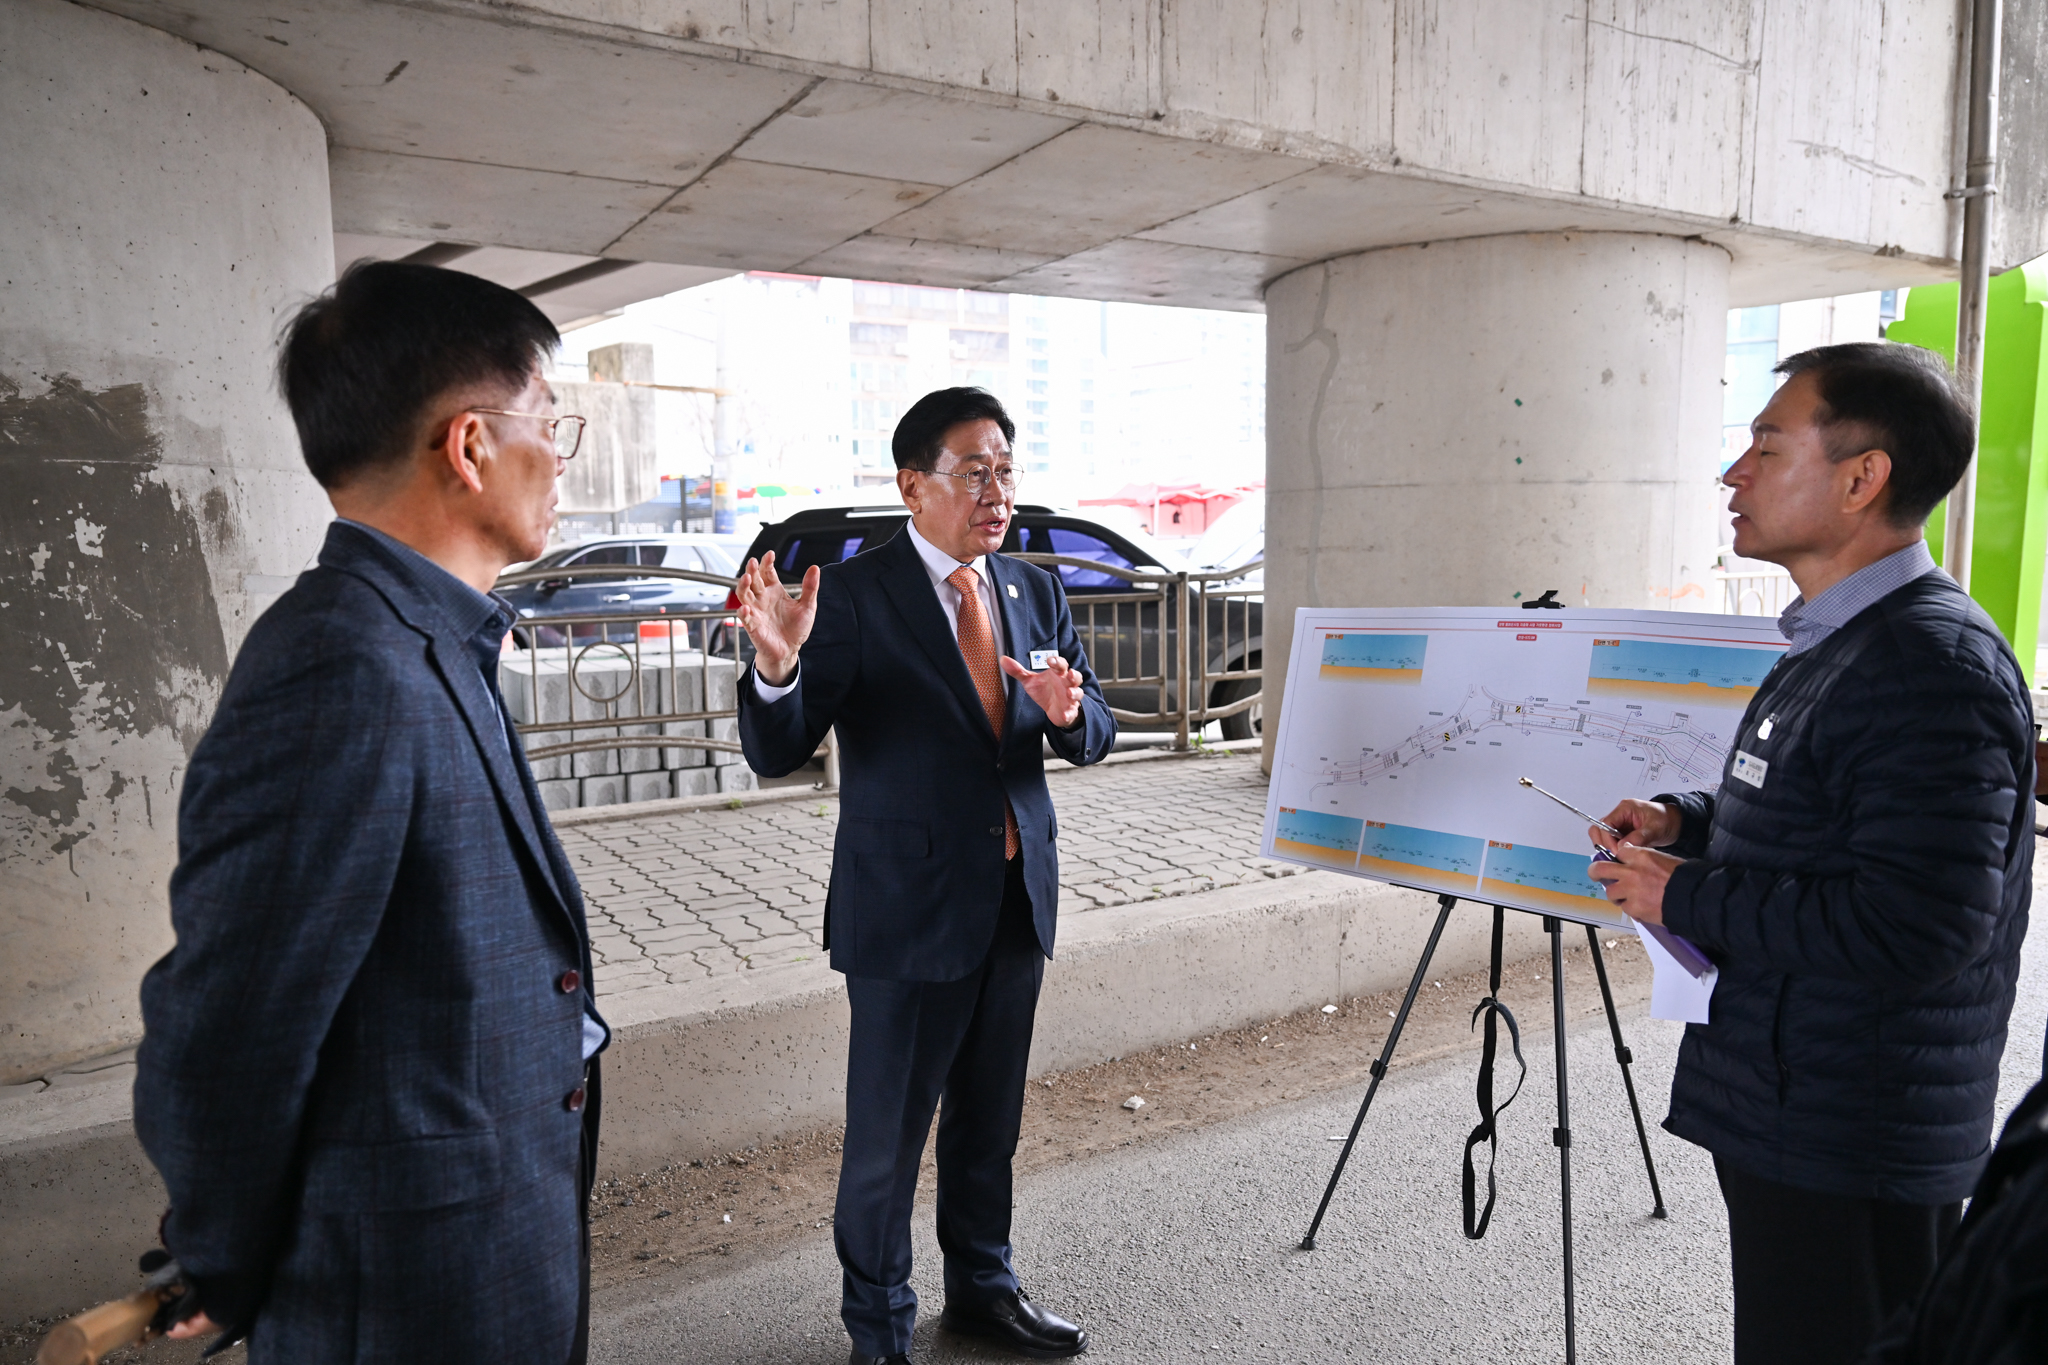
{"x": 648, "y": 698}
{"x": 1184, "y": 669}
{"x": 659, "y": 688}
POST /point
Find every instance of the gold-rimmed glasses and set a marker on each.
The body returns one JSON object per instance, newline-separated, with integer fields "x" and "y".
{"x": 978, "y": 478}
{"x": 565, "y": 432}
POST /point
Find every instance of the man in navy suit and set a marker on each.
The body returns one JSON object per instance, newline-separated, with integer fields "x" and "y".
{"x": 368, "y": 1073}
{"x": 945, "y": 883}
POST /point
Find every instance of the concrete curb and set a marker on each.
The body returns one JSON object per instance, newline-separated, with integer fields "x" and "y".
{"x": 701, "y": 1069}
{"x": 695, "y": 1072}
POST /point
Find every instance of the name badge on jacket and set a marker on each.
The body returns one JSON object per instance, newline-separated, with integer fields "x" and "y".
{"x": 1749, "y": 768}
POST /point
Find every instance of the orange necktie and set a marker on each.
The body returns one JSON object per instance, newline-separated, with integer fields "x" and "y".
{"x": 978, "y": 647}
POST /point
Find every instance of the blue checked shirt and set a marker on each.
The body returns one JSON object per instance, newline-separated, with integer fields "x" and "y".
{"x": 1806, "y": 623}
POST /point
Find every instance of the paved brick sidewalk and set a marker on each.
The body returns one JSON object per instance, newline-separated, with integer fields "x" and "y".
{"x": 686, "y": 896}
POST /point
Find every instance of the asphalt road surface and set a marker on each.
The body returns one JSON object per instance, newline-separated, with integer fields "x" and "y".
{"x": 1186, "y": 1250}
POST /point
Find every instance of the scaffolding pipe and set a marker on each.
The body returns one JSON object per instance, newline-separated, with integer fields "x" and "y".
{"x": 1980, "y": 175}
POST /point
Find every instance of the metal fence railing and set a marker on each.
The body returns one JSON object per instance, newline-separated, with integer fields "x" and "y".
{"x": 1748, "y": 590}
{"x": 615, "y": 707}
{"x": 620, "y": 706}
{"x": 1140, "y": 653}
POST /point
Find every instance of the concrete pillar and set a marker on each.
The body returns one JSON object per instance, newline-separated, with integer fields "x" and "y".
{"x": 161, "y": 207}
{"x": 1464, "y": 423}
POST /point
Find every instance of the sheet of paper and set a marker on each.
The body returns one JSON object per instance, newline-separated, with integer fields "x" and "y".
{"x": 1676, "y": 993}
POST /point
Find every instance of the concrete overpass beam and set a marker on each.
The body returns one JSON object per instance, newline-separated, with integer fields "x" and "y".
{"x": 1459, "y": 423}
{"x": 160, "y": 207}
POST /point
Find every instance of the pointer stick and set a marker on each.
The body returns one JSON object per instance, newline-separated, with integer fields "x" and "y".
{"x": 1597, "y": 824}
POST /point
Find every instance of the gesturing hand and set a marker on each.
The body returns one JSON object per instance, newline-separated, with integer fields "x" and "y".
{"x": 777, "y": 623}
{"x": 1056, "y": 689}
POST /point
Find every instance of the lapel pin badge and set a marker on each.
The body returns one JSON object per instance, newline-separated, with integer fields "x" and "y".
{"x": 1012, "y": 587}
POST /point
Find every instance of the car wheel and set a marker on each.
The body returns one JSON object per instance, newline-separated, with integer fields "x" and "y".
{"x": 1248, "y": 723}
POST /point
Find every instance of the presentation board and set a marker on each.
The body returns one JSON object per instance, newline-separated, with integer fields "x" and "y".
{"x": 1405, "y": 732}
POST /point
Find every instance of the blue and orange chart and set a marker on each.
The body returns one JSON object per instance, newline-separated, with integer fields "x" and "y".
{"x": 1373, "y": 657}
{"x": 1404, "y": 731}
{"x": 1679, "y": 672}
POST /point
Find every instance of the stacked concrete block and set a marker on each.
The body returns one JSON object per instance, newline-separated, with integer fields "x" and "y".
{"x": 606, "y": 685}
{"x": 696, "y": 781}
{"x": 724, "y": 696}
{"x": 683, "y": 691}
{"x": 652, "y": 786}
{"x": 608, "y": 790}
{"x": 536, "y": 688}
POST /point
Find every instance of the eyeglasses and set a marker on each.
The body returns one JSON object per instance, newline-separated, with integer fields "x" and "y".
{"x": 978, "y": 478}
{"x": 565, "y": 432}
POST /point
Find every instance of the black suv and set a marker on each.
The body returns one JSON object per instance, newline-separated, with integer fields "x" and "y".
{"x": 1122, "y": 638}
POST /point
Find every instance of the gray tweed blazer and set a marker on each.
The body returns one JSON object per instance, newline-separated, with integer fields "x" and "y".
{"x": 362, "y": 1076}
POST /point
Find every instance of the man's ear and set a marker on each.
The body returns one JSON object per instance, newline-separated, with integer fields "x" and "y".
{"x": 1872, "y": 474}
{"x": 463, "y": 450}
{"x": 906, "y": 487}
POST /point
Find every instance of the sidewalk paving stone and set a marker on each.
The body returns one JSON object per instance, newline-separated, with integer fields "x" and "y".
{"x": 691, "y": 895}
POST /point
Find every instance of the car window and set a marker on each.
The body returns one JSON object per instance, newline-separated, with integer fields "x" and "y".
{"x": 719, "y": 560}
{"x": 823, "y": 547}
{"x": 1064, "y": 540}
{"x": 601, "y": 554}
{"x": 658, "y": 555}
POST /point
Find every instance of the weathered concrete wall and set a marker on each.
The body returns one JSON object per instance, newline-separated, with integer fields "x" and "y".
{"x": 159, "y": 207}
{"x": 1455, "y": 424}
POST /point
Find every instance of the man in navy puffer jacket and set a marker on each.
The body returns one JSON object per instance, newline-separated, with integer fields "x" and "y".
{"x": 1861, "y": 877}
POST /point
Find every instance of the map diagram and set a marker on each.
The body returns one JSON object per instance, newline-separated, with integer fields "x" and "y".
{"x": 1671, "y": 744}
{"x": 1404, "y": 730}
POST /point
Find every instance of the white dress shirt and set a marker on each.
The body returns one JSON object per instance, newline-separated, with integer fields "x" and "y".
{"x": 938, "y": 565}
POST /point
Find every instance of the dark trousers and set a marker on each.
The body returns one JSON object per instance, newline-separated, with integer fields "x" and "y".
{"x": 1816, "y": 1275}
{"x": 913, "y": 1045}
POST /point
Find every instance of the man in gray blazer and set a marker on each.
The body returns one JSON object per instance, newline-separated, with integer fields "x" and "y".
{"x": 368, "y": 1075}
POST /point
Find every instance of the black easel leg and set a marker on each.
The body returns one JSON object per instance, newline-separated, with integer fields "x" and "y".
{"x": 1624, "y": 1056}
{"x": 1379, "y": 1068}
{"x": 1562, "y": 1136}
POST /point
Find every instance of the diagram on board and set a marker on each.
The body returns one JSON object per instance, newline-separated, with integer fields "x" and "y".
{"x": 1404, "y": 732}
{"x": 1674, "y": 747}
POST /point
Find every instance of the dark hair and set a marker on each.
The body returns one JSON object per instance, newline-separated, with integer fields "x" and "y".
{"x": 361, "y": 364}
{"x": 1882, "y": 395}
{"x": 921, "y": 432}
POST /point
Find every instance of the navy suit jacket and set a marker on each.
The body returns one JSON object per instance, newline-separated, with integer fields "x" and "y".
{"x": 917, "y": 867}
{"x": 357, "y": 1060}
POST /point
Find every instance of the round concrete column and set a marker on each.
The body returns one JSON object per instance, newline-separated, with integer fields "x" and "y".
{"x": 161, "y": 207}
{"x": 1464, "y": 423}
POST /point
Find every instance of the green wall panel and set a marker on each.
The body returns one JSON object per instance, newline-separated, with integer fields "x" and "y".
{"x": 2011, "y": 539}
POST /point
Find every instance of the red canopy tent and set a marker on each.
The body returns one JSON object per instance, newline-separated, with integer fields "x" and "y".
{"x": 1175, "y": 509}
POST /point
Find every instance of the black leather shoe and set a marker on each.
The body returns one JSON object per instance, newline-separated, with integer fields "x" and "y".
{"x": 1018, "y": 1323}
{"x": 900, "y": 1358}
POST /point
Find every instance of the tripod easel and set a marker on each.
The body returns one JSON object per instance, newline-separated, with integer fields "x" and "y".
{"x": 1562, "y": 1134}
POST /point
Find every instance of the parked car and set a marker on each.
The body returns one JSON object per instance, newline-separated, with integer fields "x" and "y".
{"x": 625, "y": 593}
{"x": 1235, "y": 539}
{"x": 1122, "y": 638}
